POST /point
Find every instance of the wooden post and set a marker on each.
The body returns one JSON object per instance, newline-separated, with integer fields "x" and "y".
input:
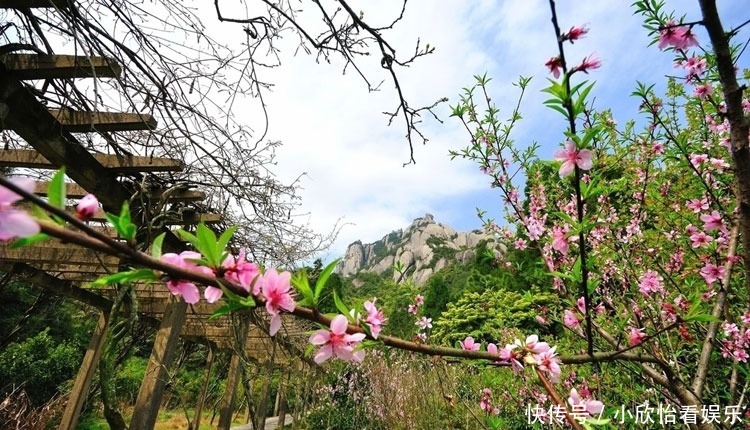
{"x": 300, "y": 410}
{"x": 281, "y": 407}
{"x": 152, "y": 387}
{"x": 277, "y": 401}
{"x": 85, "y": 374}
{"x": 260, "y": 412}
{"x": 227, "y": 402}
{"x": 199, "y": 407}
{"x": 233, "y": 377}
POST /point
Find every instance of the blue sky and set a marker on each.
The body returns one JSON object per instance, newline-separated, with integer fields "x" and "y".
{"x": 333, "y": 130}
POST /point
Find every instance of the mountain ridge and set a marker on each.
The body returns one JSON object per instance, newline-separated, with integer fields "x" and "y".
{"x": 422, "y": 248}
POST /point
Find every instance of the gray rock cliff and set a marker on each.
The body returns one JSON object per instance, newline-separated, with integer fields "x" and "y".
{"x": 421, "y": 249}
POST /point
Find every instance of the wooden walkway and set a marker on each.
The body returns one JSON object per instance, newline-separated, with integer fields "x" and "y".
{"x": 271, "y": 424}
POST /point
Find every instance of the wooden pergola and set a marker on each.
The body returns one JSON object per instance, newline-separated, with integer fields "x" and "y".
{"x": 63, "y": 268}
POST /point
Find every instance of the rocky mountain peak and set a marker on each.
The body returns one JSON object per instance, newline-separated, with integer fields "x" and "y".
{"x": 422, "y": 248}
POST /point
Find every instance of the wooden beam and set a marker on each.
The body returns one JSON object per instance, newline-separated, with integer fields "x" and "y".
{"x": 41, "y": 279}
{"x": 34, "y": 66}
{"x": 80, "y": 390}
{"x": 79, "y": 274}
{"x": 260, "y": 411}
{"x": 75, "y": 191}
{"x": 196, "y": 424}
{"x": 149, "y": 397}
{"x": 84, "y": 122}
{"x": 22, "y": 112}
{"x": 113, "y": 164}
{"x": 199, "y": 330}
{"x": 49, "y": 254}
{"x": 230, "y": 388}
{"x": 23, "y": 4}
{"x": 158, "y": 305}
{"x": 187, "y": 218}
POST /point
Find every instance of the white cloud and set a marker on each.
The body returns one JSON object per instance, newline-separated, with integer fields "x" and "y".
{"x": 333, "y": 129}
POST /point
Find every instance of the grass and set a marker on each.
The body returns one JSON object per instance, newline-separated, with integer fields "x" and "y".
{"x": 166, "y": 420}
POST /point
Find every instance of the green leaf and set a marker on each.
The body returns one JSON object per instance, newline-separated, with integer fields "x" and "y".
{"x": 127, "y": 277}
{"x": 248, "y": 302}
{"x": 302, "y": 285}
{"x": 561, "y": 275}
{"x": 580, "y": 103}
{"x": 207, "y": 245}
{"x": 704, "y": 318}
{"x": 339, "y": 304}
{"x": 123, "y": 224}
{"x": 56, "y": 193}
{"x": 40, "y": 214}
{"x": 26, "y": 241}
{"x": 226, "y": 309}
{"x": 309, "y": 350}
{"x": 323, "y": 278}
{"x": 559, "y": 109}
{"x": 156, "y": 246}
{"x": 190, "y": 237}
{"x": 225, "y": 238}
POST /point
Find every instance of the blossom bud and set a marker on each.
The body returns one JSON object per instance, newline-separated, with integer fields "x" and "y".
{"x": 87, "y": 207}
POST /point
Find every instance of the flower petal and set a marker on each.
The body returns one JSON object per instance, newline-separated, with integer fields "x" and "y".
{"x": 323, "y": 354}
{"x": 26, "y": 184}
{"x": 339, "y": 324}
{"x": 212, "y": 294}
{"x": 566, "y": 168}
{"x": 190, "y": 292}
{"x": 320, "y": 337}
{"x": 17, "y": 223}
{"x": 275, "y": 324}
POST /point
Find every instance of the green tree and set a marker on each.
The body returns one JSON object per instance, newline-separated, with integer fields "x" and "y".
{"x": 488, "y": 314}
{"x": 40, "y": 364}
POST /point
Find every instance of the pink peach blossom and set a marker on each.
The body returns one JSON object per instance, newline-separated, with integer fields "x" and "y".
{"x": 511, "y": 355}
{"x": 695, "y": 66}
{"x": 424, "y": 323}
{"x": 375, "y": 318}
{"x": 87, "y": 207}
{"x": 703, "y": 91}
{"x": 554, "y": 65}
{"x": 181, "y": 287}
{"x": 468, "y": 344}
{"x": 636, "y": 335}
{"x": 588, "y": 63}
{"x": 700, "y": 239}
{"x": 534, "y": 346}
{"x": 549, "y": 362}
{"x": 16, "y": 222}
{"x": 677, "y": 36}
{"x": 570, "y": 320}
{"x": 559, "y": 239}
{"x": 650, "y": 282}
{"x": 245, "y": 273}
{"x": 276, "y": 289}
{"x": 584, "y": 403}
{"x": 212, "y": 294}
{"x": 711, "y": 272}
{"x": 712, "y": 221}
{"x": 336, "y": 343}
{"x": 571, "y": 157}
{"x": 575, "y": 33}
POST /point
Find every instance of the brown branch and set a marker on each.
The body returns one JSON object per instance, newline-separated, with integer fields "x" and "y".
{"x": 713, "y": 328}
{"x": 739, "y": 124}
{"x": 557, "y": 399}
{"x": 582, "y": 252}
